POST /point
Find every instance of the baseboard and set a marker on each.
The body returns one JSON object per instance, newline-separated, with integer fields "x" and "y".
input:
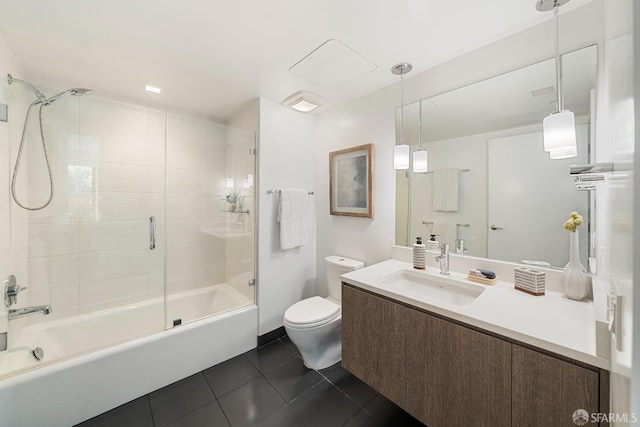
{"x": 271, "y": 336}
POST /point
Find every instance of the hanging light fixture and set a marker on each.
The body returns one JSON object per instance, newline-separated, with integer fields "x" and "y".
{"x": 420, "y": 156}
{"x": 401, "y": 151}
{"x": 558, "y": 128}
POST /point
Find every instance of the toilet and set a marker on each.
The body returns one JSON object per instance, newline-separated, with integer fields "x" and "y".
{"x": 314, "y": 324}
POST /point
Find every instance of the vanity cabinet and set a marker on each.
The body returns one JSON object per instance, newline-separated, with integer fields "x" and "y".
{"x": 446, "y": 373}
{"x": 456, "y": 376}
{"x": 547, "y": 390}
{"x": 373, "y": 341}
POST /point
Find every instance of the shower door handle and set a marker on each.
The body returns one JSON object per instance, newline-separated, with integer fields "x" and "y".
{"x": 152, "y": 232}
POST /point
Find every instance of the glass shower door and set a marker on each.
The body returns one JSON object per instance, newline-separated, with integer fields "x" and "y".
{"x": 210, "y": 218}
{"x": 89, "y": 253}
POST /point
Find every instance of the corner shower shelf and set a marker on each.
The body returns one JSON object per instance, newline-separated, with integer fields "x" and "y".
{"x": 239, "y": 212}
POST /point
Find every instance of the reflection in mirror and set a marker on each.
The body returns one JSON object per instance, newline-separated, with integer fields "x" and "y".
{"x": 491, "y": 190}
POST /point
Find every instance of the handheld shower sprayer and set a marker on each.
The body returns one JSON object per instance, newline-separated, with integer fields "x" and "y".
{"x": 43, "y": 101}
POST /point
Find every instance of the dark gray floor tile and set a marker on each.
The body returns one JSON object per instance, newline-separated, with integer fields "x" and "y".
{"x": 251, "y": 403}
{"x": 292, "y": 379}
{"x": 363, "y": 419}
{"x": 286, "y": 340}
{"x": 349, "y": 384}
{"x": 180, "y": 398}
{"x": 285, "y": 417}
{"x": 271, "y": 355}
{"x": 136, "y": 413}
{"x": 389, "y": 414}
{"x": 229, "y": 375}
{"x": 324, "y": 405}
{"x": 210, "y": 415}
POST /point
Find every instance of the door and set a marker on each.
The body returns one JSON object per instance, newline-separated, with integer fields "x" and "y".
{"x": 518, "y": 165}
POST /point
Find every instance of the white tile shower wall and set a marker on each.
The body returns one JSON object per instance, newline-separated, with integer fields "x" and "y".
{"x": 196, "y": 152}
{"x": 90, "y": 249}
{"x": 240, "y": 241}
{"x": 239, "y": 271}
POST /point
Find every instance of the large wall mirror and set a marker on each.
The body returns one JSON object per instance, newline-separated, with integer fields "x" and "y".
{"x": 491, "y": 190}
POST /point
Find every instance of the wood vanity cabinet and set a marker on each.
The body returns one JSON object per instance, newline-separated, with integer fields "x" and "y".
{"x": 447, "y": 374}
{"x": 373, "y": 341}
{"x": 456, "y": 376}
{"x": 547, "y": 390}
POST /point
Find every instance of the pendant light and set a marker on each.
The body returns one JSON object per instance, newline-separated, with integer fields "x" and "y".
{"x": 401, "y": 151}
{"x": 558, "y": 128}
{"x": 420, "y": 156}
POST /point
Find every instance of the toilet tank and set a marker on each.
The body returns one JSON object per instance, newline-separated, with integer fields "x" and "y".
{"x": 336, "y": 266}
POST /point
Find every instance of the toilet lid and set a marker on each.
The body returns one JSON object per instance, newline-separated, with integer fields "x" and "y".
{"x": 311, "y": 310}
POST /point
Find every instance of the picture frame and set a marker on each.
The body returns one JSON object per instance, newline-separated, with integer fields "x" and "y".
{"x": 351, "y": 182}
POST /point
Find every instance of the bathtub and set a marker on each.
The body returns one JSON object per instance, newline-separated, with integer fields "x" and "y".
{"x": 73, "y": 382}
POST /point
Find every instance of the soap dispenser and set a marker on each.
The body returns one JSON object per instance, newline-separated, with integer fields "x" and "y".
{"x": 433, "y": 244}
{"x": 419, "y": 256}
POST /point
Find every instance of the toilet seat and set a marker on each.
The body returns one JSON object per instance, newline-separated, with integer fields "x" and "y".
{"x": 311, "y": 312}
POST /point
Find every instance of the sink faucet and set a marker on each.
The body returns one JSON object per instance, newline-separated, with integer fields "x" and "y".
{"x": 20, "y": 312}
{"x": 443, "y": 259}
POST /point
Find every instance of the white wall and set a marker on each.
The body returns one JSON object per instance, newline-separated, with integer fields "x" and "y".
{"x": 364, "y": 121}
{"x": 285, "y": 160}
{"x": 370, "y": 119}
{"x": 635, "y": 380}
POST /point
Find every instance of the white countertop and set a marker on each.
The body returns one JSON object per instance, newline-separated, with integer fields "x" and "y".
{"x": 551, "y": 322}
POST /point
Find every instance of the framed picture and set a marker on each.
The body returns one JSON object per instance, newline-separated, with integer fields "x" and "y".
{"x": 351, "y": 181}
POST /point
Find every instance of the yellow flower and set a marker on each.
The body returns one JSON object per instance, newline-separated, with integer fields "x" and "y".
{"x": 573, "y": 222}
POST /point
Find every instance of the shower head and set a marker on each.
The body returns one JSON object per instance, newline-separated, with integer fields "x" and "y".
{"x": 76, "y": 91}
{"x": 39, "y": 94}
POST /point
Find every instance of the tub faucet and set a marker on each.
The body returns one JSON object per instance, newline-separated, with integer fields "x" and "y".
{"x": 443, "y": 259}
{"x": 21, "y": 312}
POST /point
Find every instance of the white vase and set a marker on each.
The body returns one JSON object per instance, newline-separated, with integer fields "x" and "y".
{"x": 576, "y": 282}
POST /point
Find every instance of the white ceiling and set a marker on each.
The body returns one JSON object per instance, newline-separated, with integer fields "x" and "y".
{"x": 211, "y": 57}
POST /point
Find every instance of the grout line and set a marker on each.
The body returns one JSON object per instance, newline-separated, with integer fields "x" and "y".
{"x": 153, "y": 420}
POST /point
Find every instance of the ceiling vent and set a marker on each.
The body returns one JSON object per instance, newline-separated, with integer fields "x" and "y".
{"x": 332, "y": 65}
{"x": 549, "y": 90}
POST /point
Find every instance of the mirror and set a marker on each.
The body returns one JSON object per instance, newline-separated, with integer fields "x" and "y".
{"x": 491, "y": 189}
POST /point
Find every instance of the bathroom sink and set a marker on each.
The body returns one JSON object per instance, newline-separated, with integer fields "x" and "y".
{"x": 442, "y": 289}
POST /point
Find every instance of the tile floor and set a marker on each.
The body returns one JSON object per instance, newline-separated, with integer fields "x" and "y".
{"x": 267, "y": 386}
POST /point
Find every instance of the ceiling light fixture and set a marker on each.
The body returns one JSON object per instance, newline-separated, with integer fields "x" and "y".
{"x": 558, "y": 128}
{"x": 420, "y": 156}
{"x": 401, "y": 151}
{"x": 152, "y": 89}
{"x": 303, "y": 101}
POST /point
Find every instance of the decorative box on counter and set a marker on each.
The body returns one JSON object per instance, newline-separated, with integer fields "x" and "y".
{"x": 529, "y": 280}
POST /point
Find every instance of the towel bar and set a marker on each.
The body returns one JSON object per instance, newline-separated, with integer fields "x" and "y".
{"x": 279, "y": 191}
{"x": 459, "y": 170}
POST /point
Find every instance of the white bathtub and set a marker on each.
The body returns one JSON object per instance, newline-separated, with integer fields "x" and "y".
{"x": 70, "y": 389}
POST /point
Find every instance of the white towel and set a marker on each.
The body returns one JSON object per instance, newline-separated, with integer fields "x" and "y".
{"x": 446, "y": 233}
{"x": 445, "y": 190}
{"x": 293, "y": 216}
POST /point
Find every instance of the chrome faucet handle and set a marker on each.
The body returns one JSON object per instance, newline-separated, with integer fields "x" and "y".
{"x": 11, "y": 291}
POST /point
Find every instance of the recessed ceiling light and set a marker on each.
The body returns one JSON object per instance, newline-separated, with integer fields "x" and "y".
{"x": 153, "y": 89}
{"x": 303, "y": 101}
